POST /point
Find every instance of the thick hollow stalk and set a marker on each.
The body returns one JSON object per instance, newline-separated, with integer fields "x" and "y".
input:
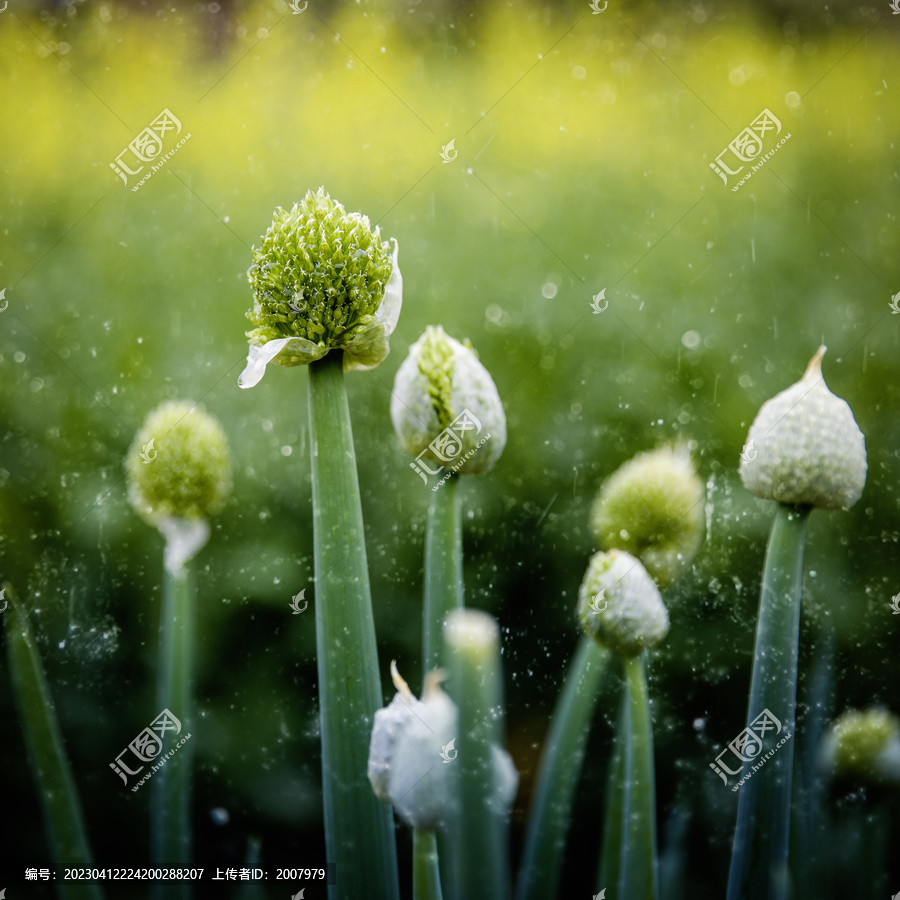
{"x": 674, "y": 856}
{"x": 170, "y": 804}
{"x": 639, "y": 870}
{"x": 443, "y": 593}
{"x": 426, "y": 873}
{"x": 443, "y": 569}
{"x": 63, "y": 818}
{"x": 760, "y": 854}
{"x": 611, "y": 839}
{"x": 810, "y": 838}
{"x": 252, "y": 890}
{"x": 479, "y": 837}
{"x": 560, "y": 767}
{"x": 359, "y": 831}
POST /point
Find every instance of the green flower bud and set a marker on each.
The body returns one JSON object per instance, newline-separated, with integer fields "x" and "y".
{"x": 805, "y": 448}
{"x": 322, "y": 280}
{"x": 863, "y": 745}
{"x": 445, "y": 406}
{"x": 189, "y": 475}
{"x": 619, "y": 604}
{"x": 652, "y": 507}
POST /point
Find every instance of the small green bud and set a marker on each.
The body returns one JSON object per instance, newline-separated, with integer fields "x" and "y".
{"x": 185, "y": 472}
{"x": 652, "y": 507}
{"x": 445, "y": 405}
{"x": 805, "y": 448}
{"x": 863, "y": 745}
{"x": 323, "y": 280}
{"x": 619, "y": 604}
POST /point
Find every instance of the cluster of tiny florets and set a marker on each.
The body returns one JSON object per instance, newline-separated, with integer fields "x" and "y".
{"x": 186, "y": 472}
{"x": 864, "y": 745}
{"x": 652, "y": 507}
{"x": 320, "y": 274}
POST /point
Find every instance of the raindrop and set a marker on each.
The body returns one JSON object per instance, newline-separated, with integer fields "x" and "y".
{"x": 219, "y": 815}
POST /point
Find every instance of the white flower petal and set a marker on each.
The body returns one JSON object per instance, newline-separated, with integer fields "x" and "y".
{"x": 257, "y": 360}
{"x": 301, "y": 351}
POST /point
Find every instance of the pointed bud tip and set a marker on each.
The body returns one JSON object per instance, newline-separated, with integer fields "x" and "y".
{"x": 814, "y": 367}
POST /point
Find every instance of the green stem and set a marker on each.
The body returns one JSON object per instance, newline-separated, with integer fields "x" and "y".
{"x": 560, "y": 767}
{"x": 611, "y": 848}
{"x": 479, "y": 836}
{"x": 170, "y": 807}
{"x": 875, "y": 860}
{"x": 359, "y": 831}
{"x": 673, "y": 859}
{"x": 810, "y": 834}
{"x": 252, "y": 890}
{"x": 760, "y": 855}
{"x": 638, "y": 875}
{"x": 426, "y": 874}
{"x": 443, "y": 593}
{"x": 63, "y": 817}
{"x": 443, "y": 569}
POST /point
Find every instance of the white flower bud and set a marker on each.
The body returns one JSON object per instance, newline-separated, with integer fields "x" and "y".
{"x": 805, "y": 448}
{"x": 439, "y": 380}
{"x": 406, "y": 768}
{"x": 412, "y": 751}
{"x": 619, "y": 604}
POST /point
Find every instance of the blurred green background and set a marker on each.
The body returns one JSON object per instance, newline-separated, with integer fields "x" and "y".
{"x": 584, "y": 144}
